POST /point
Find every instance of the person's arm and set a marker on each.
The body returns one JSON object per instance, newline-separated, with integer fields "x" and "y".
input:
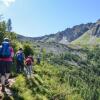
{"x": 32, "y": 59}
{"x": 24, "y": 56}
{"x": 12, "y": 52}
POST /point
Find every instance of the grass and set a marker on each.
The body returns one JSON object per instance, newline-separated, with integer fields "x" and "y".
{"x": 86, "y": 39}
{"x": 47, "y": 84}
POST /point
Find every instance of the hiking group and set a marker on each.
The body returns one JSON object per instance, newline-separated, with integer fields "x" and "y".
{"x": 23, "y": 64}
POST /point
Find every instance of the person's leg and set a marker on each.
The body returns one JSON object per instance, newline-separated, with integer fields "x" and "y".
{"x": 8, "y": 71}
{"x": 25, "y": 70}
{"x": 22, "y": 66}
{"x": 39, "y": 61}
{"x": 7, "y": 77}
{"x": 2, "y": 72}
{"x": 17, "y": 67}
{"x": 1, "y": 94}
{"x": 30, "y": 70}
{"x": 3, "y": 82}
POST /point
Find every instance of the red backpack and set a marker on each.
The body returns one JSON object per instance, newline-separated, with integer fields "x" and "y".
{"x": 28, "y": 61}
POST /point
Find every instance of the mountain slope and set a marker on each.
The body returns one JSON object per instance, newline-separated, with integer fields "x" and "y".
{"x": 83, "y": 34}
{"x": 63, "y": 37}
{"x": 92, "y": 36}
{"x": 62, "y": 81}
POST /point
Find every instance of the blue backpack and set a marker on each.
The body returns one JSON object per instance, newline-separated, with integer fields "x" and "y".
{"x": 5, "y": 50}
{"x": 19, "y": 57}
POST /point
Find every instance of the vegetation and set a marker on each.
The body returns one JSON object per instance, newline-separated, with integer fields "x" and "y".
{"x": 28, "y": 50}
{"x": 62, "y": 81}
{"x": 86, "y": 39}
{"x": 68, "y": 76}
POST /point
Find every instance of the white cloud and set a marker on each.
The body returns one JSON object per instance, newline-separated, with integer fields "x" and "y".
{"x": 7, "y": 3}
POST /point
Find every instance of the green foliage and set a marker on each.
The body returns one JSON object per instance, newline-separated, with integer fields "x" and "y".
{"x": 28, "y": 49}
{"x": 16, "y": 45}
{"x": 43, "y": 54}
{"x": 57, "y": 82}
{"x": 2, "y": 30}
{"x": 68, "y": 76}
{"x": 4, "y": 33}
{"x": 86, "y": 39}
{"x": 3, "y": 26}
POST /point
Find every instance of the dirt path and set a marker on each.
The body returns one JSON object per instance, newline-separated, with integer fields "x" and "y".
{"x": 8, "y": 91}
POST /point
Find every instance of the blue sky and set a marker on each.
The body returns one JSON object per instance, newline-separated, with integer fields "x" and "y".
{"x": 42, "y": 17}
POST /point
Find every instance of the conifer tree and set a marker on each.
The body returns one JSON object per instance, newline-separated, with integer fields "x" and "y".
{"x": 9, "y": 25}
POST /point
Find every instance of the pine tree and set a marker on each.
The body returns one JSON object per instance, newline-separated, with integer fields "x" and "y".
{"x": 9, "y": 25}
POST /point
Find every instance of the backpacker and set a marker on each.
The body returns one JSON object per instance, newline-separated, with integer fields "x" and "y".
{"x": 5, "y": 50}
{"x": 28, "y": 61}
{"x": 20, "y": 56}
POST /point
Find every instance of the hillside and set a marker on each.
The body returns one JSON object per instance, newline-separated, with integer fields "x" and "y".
{"x": 61, "y": 80}
{"x": 92, "y": 36}
{"x": 83, "y": 34}
{"x": 77, "y": 36}
{"x": 63, "y": 37}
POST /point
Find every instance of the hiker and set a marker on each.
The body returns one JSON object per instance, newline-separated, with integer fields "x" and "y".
{"x": 20, "y": 60}
{"x": 29, "y": 62}
{"x": 6, "y": 59}
{"x": 38, "y": 59}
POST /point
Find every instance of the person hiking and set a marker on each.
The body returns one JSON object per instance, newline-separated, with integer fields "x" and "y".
{"x": 20, "y": 60}
{"x": 38, "y": 59}
{"x": 29, "y": 62}
{"x": 6, "y": 60}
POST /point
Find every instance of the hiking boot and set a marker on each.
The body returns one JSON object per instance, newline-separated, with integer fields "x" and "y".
{"x": 7, "y": 83}
{"x": 3, "y": 88}
{"x": 8, "y": 91}
{"x": 1, "y": 97}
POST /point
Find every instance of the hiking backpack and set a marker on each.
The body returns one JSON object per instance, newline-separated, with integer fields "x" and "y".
{"x": 5, "y": 50}
{"x": 20, "y": 56}
{"x": 28, "y": 61}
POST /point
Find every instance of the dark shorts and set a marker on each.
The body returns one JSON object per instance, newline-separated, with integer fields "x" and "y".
{"x": 20, "y": 66}
{"x": 5, "y": 67}
{"x": 20, "y": 63}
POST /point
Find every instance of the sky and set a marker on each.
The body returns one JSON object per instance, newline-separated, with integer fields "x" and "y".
{"x": 42, "y": 17}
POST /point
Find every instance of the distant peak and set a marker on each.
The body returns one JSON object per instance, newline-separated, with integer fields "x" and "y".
{"x": 98, "y": 20}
